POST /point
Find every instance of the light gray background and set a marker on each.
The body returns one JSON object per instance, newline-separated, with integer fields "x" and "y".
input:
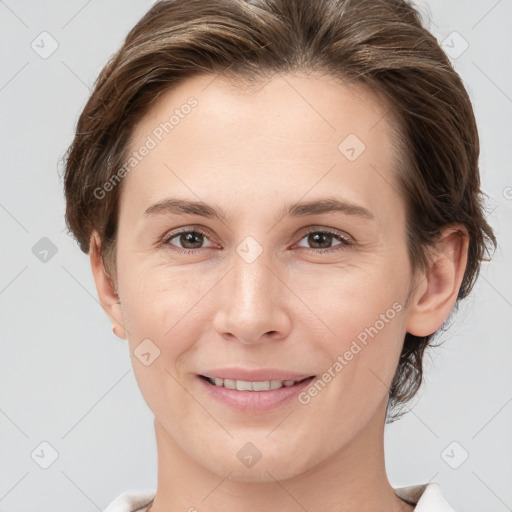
{"x": 66, "y": 380}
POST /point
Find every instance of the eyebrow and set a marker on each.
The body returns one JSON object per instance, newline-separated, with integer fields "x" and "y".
{"x": 178, "y": 206}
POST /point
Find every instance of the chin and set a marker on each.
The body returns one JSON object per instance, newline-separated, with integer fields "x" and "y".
{"x": 262, "y": 475}
{"x": 265, "y": 470}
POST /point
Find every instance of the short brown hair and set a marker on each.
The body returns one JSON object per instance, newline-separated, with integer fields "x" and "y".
{"x": 380, "y": 43}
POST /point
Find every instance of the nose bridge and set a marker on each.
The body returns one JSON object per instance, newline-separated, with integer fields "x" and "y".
{"x": 251, "y": 277}
{"x": 251, "y": 305}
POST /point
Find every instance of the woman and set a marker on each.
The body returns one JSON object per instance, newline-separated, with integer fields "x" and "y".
{"x": 281, "y": 203}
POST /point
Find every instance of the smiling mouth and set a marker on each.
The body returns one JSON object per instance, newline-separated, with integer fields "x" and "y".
{"x": 242, "y": 385}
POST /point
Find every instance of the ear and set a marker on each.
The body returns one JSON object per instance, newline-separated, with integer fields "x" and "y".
{"x": 436, "y": 293}
{"x": 105, "y": 287}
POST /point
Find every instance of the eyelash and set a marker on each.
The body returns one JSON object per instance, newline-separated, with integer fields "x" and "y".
{"x": 345, "y": 242}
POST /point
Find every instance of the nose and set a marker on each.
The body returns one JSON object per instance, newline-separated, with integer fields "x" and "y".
{"x": 252, "y": 302}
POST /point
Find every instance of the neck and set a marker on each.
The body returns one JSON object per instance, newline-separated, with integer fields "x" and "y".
{"x": 350, "y": 480}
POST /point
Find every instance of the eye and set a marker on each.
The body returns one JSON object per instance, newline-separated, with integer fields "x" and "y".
{"x": 322, "y": 239}
{"x": 191, "y": 240}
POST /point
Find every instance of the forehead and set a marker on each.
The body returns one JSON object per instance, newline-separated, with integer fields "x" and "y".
{"x": 314, "y": 108}
{"x": 290, "y": 133}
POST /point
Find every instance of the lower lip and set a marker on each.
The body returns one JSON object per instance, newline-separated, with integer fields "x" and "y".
{"x": 254, "y": 401}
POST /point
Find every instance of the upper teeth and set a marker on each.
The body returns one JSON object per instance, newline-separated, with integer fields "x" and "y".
{"x": 243, "y": 385}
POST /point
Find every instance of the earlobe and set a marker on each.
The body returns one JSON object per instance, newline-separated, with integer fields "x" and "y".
{"x": 437, "y": 292}
{"x": 105, "y": 287}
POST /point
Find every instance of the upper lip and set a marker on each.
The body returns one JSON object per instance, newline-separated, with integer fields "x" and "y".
{"x": 262, "y": 374}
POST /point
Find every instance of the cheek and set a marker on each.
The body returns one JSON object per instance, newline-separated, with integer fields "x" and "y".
{"x": 347, "y": 301}
{"x": 165, "y": 317}
{"x": 364, "y": 312}
{"x": 158, "y": 296}
{"x": 358, "y": 362}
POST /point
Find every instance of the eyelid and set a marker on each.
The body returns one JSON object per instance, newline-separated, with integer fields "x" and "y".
{"x": 186, "y": 229}
{"x": 346, "y": 240}
{"x": 308, "y": 230}
{"x": 346, "y": 243}
{"x": 332, "y": 231}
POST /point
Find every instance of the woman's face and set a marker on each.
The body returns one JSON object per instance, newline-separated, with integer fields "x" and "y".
{"x": 278, "y": 283}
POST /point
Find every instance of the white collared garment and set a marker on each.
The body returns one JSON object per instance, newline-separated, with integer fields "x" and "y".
{"x": 425, "y": 497}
